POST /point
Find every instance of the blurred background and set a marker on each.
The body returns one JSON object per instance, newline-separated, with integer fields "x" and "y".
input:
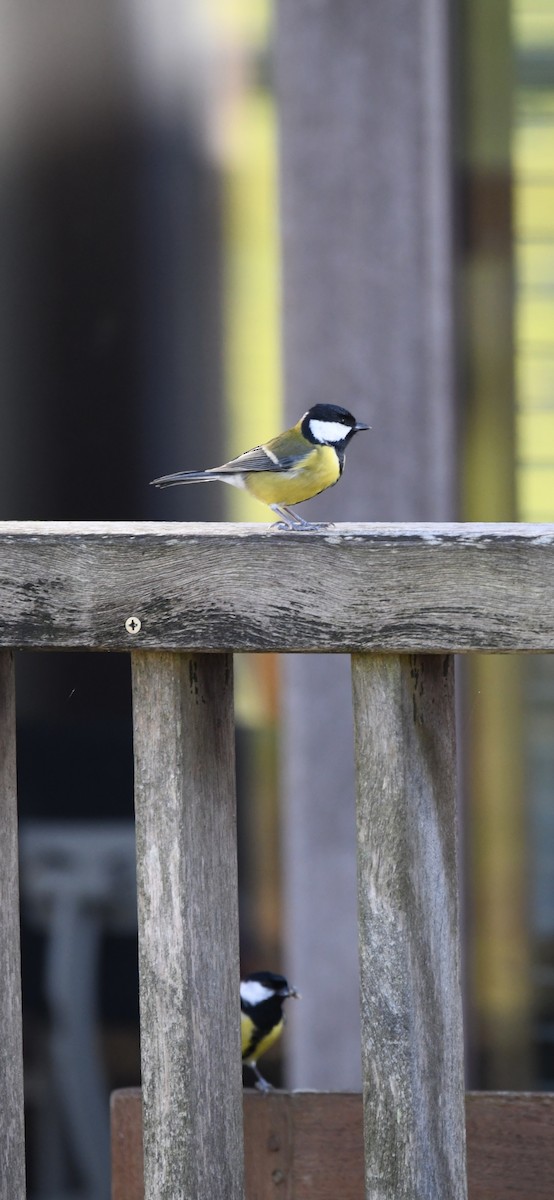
{"x": 214, "y": 213}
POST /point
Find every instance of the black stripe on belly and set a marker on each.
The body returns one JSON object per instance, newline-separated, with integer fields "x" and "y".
{"x": 255, "y": 1038}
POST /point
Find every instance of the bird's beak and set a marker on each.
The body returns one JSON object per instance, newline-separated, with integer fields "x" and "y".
{"x": 293, "y": 992}
{"x": 359, "y": 426}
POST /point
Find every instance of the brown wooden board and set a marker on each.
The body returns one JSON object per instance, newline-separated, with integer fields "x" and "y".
{"x": 126, "y": 1131}
{"x": 231, "y": 587}
{"x": 510, "y": 1137}
{"x": 309, "y": 1146}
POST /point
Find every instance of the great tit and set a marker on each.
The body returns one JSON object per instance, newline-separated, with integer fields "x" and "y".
{"x": 262, "y": 996}
{"x": 296, "y": 465}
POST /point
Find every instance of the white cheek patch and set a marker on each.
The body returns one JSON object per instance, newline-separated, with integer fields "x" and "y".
{"x": 329, "y": 431}
{"x": 253, "y": 992}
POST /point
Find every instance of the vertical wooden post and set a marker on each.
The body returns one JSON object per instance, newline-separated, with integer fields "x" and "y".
{"x": 12, "y": 1138}
{"x": 412, "y": 1038}
{"x": 188, "y": 926}
{"x": 366, "y": 212}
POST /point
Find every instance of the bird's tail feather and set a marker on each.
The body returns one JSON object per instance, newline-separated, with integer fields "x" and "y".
{"x": 184, "y": 477}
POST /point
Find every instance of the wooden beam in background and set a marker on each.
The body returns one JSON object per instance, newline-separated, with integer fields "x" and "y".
{"x": 369, "y": 322}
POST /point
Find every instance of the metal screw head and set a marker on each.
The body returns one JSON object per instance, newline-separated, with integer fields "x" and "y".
{"x": 133, "y": 624}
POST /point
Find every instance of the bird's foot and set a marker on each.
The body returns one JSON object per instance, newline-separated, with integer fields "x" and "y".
{"x": 291, "y": 521}
{"x": 263, "y": 1086}
{"x": 301, "y": 526}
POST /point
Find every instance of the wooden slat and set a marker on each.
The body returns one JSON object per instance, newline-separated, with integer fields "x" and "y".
{"x": 510, "y": 1139}
{"x": 309, "y": 1146}
{"x": 411, "y": 1011}
{"x": 12, "y": 1148}
{"x": 268, "y": 1148}
{"x": 237, "y": 587}
{"x": 188, "y": 926}
{"x": 127, "y": 1144}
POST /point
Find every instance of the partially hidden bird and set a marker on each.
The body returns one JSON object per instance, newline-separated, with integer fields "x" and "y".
{"x": 292, "y": 467}
{"x": 262, "y": 996}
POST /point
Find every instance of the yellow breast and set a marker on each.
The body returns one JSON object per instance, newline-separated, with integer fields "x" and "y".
{"x": 252, "y": 1045}
{"x": 318, "y": 471}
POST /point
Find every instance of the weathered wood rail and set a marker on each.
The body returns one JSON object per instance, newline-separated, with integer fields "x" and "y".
{"x": 395, "y": 588}
{"x": 182, "y": 598}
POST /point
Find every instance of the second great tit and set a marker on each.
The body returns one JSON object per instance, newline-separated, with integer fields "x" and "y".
{"x": 292, "y": 467}
{"x": 262, "y": 996}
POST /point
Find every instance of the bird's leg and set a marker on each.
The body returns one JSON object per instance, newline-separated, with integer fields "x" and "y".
{"x": 263, "y": 1085}
{"x": 291, "y": 520}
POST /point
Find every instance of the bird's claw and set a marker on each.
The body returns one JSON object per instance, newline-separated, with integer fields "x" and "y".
{"x": 263, "y": 1086}
{"x": 301, "y": 527}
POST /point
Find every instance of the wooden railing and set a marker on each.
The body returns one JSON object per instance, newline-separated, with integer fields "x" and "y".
{"x": 182, "y": 598}
{"x": 309, "y": 1145}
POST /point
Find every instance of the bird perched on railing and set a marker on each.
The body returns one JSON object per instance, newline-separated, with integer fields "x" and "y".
{"x": 292, "y": 467}
{"x": 262, "y": 996}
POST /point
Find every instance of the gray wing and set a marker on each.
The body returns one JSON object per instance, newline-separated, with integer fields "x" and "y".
{"x": 257, "y": 459}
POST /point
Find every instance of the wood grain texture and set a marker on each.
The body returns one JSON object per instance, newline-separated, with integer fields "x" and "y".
{"x": 510, "y": 1145}
{"x": 12, "y": 1148}
{"x": 411, "y": 1013}
{"x": 188, "y": 926}
{"x": 366, "y": 211}
{"x": 238, "y": 587}
{"x": 309, "y": 1146}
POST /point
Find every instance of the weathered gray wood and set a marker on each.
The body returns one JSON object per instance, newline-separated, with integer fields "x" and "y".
{"x": 366, "y": 217}
{"x": 412, "y": 1040}
{"x": 368, "y": 318}
{"x": 188, "y": 926}
{"x": 239, "y": 587}
{"x": 12, "y": 1147}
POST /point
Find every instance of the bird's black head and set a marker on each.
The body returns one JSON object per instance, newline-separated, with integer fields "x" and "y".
{"x": 330, "y": 425}
{"x": 265, "y": 988}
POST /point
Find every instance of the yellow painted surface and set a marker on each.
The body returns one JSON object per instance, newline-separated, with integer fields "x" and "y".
{"x": 534, "y": 208}
{"x": 246, "y": 148}
{"x": 251, "y": 308}
{"x": 533, "y": 214}
{"x": 535, "y": 436}
{"x": 535, "y": 263}
{"x": 536, "y": 493}
{"x": 499, "y": 949}
{"x": 532, "y": 146}
{"x": 535, "y": 322}
{"x": 498, "y": 837}
{"x": 533, "y": 23}
{"x": 251, "y": 290}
